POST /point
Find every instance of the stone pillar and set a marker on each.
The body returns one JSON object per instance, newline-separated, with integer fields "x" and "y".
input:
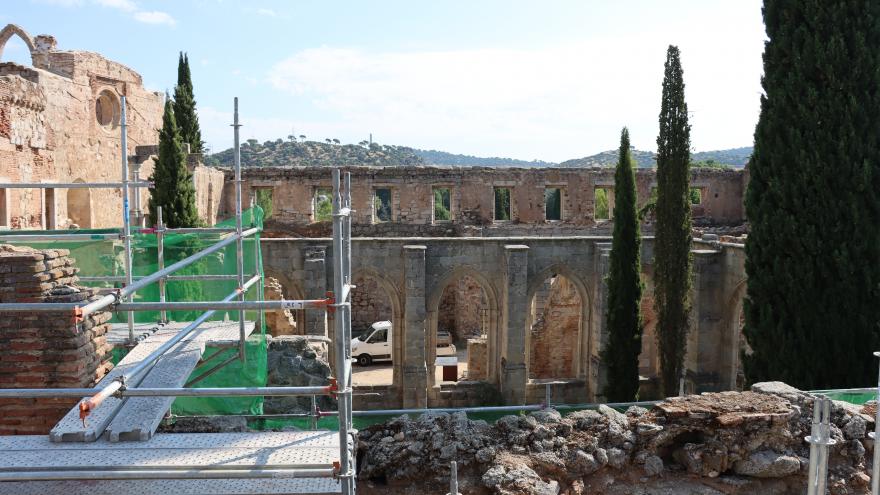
{"x": 703, "y": 361}
{"x": 597, "y": 370}
{"x": 513, "y": 358}
{"x": 414, "y": 335}
{"x": 315, "y": 287}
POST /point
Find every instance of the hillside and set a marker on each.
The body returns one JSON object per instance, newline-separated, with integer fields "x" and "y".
{"x": 312, "y": 153}
{"x": 736, "y": 157}
{"x": 434, "y": 157}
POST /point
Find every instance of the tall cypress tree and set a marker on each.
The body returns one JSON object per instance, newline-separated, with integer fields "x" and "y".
{"x": 672, "y": 258}
{"x": 185, "y": 107}
{"x": 173, "y": 187}
{"x": 813, "y": 200}
{"x": 623, "y": 319}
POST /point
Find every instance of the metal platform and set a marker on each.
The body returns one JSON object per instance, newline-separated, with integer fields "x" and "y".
{"x": 138, "y": 418}
{"x": 181, "y": 453}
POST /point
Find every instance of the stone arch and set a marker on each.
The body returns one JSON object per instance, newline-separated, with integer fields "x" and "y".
{"x": 735, "y": 341}
{"x": 9, "y": 31}
{"x": 432, "y": 319}
{"x": 79, "y": 206}
{"x": 393, "y": 294}
{"x": 584, "y": 346}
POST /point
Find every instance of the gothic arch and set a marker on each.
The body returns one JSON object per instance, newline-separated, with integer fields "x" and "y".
{"x": 586, "y": 339}
{"x": 432, "y": 318}
{"x": 12, "y": 29}
{"x": 397, "y": 319}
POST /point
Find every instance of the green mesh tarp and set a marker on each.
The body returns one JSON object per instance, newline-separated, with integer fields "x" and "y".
{"x": 106, "y": 257}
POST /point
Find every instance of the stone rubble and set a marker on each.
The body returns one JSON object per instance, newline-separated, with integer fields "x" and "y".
{"x": 714, "y": 443}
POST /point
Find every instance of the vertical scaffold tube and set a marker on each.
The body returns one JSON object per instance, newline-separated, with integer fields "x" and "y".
{"x": 126, "y": 219}
{"x": 342, "y": 374}
{"x": 239, "y": 243}
{"x": 346, "y": 273}
{"x": 160, "y": 248}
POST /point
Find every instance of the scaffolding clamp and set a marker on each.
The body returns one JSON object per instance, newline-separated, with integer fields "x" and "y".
{"x": 78, "y": 315}
{"x": 333, "y": 388}
{"x": 330, "y": 302}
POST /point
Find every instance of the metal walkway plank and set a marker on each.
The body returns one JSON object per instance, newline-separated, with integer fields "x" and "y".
{"x": 139, "y": 417}
{"x": 302, "y": 486}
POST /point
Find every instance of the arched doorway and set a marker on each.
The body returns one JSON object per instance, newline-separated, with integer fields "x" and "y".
{"x": 79, "y": 206}
{"x": 463, "y": 311}
{"x": 374, "y": 301}
{"x": 556, "y": 328}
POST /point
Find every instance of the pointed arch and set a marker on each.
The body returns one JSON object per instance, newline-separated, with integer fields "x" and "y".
{"x": 494, "y": 315}
{"x": 9, "y": 31}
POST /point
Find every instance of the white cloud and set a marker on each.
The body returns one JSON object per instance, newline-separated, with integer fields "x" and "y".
{"x": 124, "y": 5}
{"x": 266, "y": 12}
{"x": 154, "y": 17}
{"x": 553, "y": 102}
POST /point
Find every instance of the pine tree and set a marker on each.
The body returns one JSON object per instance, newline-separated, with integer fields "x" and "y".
{"x": 173, "y": 187}
{"x": 623, "y": 319}
{"x": 813, "y": 199}
{"x": 672, "y": 259}
{"x": 185, "y": 107}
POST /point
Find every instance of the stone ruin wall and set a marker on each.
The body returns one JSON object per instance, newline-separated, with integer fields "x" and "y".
{"x": 472, "y": 199}
{"x": 369, "y": 304}
{"x": 46, "y": 350}
{"x": 461, "y": 310}
{"x": 554, "y": 329}
{"x": 49, "y": 132}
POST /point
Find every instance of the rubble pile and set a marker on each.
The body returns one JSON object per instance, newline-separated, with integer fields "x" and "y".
{"x": 714, "y": 443}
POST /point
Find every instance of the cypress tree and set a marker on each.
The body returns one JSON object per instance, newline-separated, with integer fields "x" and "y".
{"x": 813, "y": 199}
{"x": 173, "y": 188}
{"x": 623, "y": 319}
{"x": 185, "y": 107}
{"x": 672, "y": 258}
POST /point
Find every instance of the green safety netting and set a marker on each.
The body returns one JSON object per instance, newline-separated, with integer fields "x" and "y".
{"x": 105, "y": 257}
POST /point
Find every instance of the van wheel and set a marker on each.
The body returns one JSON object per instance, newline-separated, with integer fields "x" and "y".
{"x": 365, "y": 360}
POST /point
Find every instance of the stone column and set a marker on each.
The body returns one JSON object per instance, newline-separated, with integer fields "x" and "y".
{"x": 703, "y": 361}
{"x": 597, "y": 370}
{"x": 315, "y": 287}
{"x": 414, "y": 335}
{"x": 516, "y": 306}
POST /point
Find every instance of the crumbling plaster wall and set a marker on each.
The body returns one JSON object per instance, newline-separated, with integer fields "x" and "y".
{"x": 414, "y": 272}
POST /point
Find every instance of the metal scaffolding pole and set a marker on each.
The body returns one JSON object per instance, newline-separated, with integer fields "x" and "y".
{"x": 222, "y": 305}
{"x": 343, "y": 363}
{"x": 70, "y": 185}
{"x": 160, "y": 248}
{"x": 126, "y": 218}
{"x": 137, "y": 473}
{"x": 239, "y": 246}
{"x": 115, "y": 298}
{"x": 42, "y": 393}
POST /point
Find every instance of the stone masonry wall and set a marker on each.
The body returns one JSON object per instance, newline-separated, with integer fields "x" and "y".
{"x": 461, "y": 309}
{"x": 369, "y": 304}
{"x": 554, "y": 332}
{"x": 472, "y": 198}
{"x": 478, "y": 358}
{"x": 45, "y": 350}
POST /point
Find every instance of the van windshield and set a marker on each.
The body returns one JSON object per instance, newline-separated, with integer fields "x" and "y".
{"x": 363, "y": 337}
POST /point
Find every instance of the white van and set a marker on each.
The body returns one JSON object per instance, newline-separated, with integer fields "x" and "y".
{"x": 376, "y": 343}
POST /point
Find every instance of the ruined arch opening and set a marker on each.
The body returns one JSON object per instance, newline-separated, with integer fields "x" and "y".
{"x": 16, "y": 46}
{"x": 555, "y": 327}
{"x": 377, "y": 327}
{"x": 79, "y": 207}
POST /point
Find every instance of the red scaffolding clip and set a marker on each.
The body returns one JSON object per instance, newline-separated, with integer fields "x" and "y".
{"x": 333, "y": 387}
{"x": 331, "y": 300}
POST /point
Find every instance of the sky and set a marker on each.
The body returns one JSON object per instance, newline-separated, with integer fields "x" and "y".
{"x": 549, "y": 80}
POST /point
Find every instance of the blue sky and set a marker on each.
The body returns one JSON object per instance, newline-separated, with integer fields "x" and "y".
{"x": 546, "y": 80}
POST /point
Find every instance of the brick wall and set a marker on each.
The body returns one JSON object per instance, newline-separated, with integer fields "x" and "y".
{"x": 45, "y": 350}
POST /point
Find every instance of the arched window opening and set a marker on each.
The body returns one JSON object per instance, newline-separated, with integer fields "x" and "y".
{"x": 375, "y": 332}
{"x": 556, "y": 317}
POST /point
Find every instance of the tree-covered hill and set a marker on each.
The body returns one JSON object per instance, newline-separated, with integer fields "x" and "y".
{"x": 434, "y": 157}
{"x": 292, "y": 153}
{"x": 734, "y": 157}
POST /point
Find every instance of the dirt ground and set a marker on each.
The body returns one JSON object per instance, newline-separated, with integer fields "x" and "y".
{"x": 381, "y": 373}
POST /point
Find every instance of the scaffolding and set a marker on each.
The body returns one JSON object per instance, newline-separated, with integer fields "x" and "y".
{"x": 336, "y": 304}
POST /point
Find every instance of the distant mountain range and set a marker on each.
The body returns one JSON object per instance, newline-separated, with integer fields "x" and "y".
{"x": 280, "y": 153}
